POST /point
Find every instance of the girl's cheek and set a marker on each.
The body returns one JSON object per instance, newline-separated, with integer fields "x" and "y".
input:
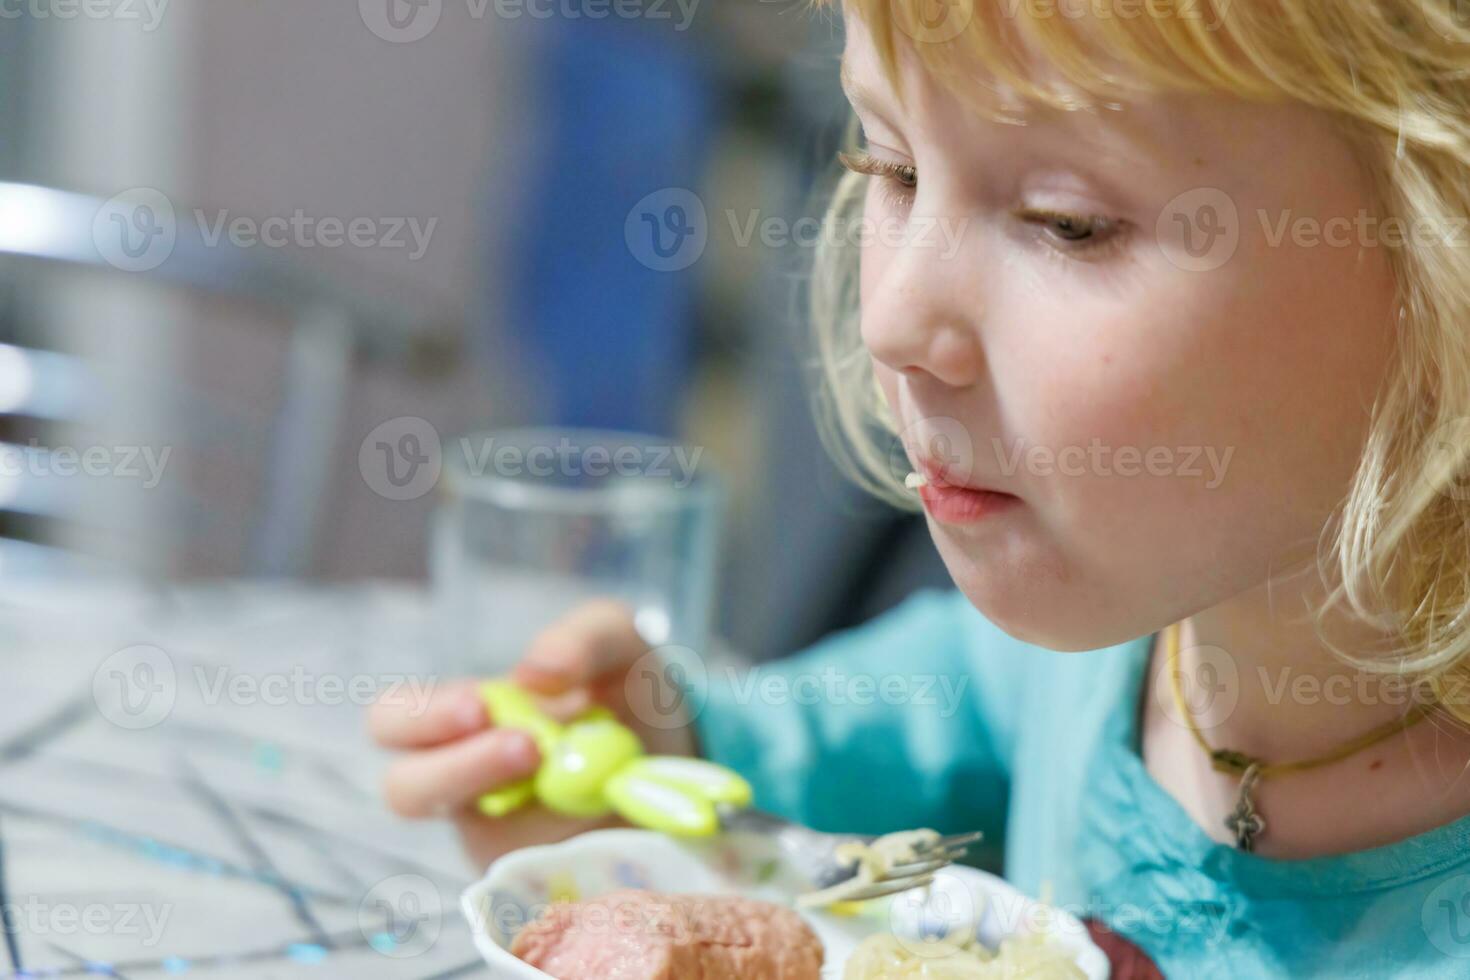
{"x": 1066, "y": 373}
{"x": 873, "y": 259}
{"x": 872, "y": 263}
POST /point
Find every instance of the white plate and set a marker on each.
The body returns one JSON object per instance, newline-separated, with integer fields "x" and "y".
{"x": 521, "y": 884}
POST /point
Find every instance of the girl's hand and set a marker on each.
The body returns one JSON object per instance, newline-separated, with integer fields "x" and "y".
{"x": 453, "y": 751}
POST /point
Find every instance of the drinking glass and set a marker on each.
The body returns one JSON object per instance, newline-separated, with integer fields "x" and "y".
{"x": 532, "y": 522}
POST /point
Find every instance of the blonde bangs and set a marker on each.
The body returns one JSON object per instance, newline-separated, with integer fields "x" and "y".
{"x": 1386, "y": 63}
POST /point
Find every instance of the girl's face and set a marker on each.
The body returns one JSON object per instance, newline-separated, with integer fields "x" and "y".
{"x": 1159, "y": 328}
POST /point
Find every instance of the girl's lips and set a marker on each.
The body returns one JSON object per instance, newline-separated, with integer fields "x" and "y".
{"x": 962, "y": 505}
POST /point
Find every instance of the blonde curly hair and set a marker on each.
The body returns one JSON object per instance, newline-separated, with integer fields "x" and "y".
{"x": 1395, "y": 75}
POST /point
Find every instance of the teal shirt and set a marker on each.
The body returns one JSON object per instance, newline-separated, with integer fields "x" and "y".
{"x": 930, "y": 716}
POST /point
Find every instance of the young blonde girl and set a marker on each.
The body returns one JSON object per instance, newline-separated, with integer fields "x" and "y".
{"x": 1192, "y": 392}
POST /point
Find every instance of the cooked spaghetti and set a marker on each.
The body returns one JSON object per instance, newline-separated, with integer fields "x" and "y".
{"x": 874, "y": 861}
{"x": 887, "y": 957}
{"x": 1033, "y": 957}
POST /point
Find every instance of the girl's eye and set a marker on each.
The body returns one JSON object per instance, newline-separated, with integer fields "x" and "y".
{"x": 1074, "y": 232}
{"x": 902, "y": 179}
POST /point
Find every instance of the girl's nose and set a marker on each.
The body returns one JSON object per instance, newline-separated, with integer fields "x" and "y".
{"x": 920, "y": 316}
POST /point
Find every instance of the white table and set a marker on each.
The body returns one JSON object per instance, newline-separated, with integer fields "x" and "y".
{"x": 186, "y": 787}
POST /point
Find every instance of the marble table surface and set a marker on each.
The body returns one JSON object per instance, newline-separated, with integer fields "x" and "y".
{"x": 186, "y": 786}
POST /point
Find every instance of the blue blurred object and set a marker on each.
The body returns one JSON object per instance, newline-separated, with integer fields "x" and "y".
{"x": 627, "y": 112}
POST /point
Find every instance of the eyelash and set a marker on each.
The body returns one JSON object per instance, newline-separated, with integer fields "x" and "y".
{"x": 900, "y": 183}
{"x": 900, "y": 180}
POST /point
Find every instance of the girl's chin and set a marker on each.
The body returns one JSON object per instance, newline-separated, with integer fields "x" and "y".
{"x": 1040, "y": 622}
{"x": 1030, "y": 602}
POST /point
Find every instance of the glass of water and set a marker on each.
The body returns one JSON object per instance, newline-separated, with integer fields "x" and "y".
{"x": 535, "y": 521}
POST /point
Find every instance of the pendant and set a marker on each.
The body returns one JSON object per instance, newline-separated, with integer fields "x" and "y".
{"x": 1244, "y": 822}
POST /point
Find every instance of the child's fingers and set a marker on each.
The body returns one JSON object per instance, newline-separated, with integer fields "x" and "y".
{"x": 452, "y": 711}
{"x": 567, "y": 706}
{"x": 592, "y": 640}
{"x": 435, "y": 781}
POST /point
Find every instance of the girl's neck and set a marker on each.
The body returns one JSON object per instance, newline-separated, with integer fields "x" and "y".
{"x": 1265, "y": 682}
{"x": 1273, "y": 689}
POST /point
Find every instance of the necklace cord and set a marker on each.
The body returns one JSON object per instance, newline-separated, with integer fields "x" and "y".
{"x": 1232, "y": 761}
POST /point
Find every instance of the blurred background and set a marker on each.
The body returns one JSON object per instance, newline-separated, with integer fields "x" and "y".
{"x": 261, "y": 266}
{"x": 236, "y": 239}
